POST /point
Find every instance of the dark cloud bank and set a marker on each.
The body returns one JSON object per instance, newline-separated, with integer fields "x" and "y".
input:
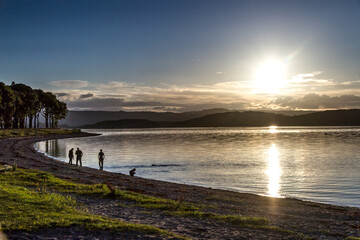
{"x": 308, "y": 102}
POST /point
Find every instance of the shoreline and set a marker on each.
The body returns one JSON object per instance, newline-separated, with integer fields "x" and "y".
{"x": 204, "y": 185}
{"x": 211, "y": 187}
{"x": 300, "y": 216}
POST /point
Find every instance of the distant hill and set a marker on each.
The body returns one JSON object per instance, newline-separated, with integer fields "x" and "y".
{"x": 79, "y": 118}
{"x": 329, "y": 118}
{"x": 245, "y": 119}
{"x": 127, "y": 123}
{"x": 235, "y": 119}
{"x": 232, "y": 119}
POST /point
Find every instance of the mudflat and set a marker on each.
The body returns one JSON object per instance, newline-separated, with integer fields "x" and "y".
{"x": 287, "y": 218}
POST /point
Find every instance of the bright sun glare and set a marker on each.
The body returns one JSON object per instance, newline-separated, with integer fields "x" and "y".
{"x": 270, "y": 76}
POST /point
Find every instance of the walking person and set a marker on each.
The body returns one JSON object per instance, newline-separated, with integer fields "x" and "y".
{"x": 79, "y": 155}
{"x": 101, "y": 157}
{"x": 71, "y": 155}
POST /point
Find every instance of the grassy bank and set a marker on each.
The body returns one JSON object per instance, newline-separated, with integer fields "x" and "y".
{"x": 8, "y": 133}
{"x": 31, "y": 200}
{"x": 43, "y": 182}
{"x": 35, "y": 199}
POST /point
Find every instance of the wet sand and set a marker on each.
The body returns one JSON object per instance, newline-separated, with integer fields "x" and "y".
{"x": 303, "y": 219}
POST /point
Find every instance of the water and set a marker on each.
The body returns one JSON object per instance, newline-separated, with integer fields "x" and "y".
{"x": 317, "y": 164}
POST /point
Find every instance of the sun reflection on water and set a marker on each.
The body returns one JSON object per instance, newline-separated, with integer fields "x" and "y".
{"x": 273, "y": 129}
{"x": 274, "y": 172}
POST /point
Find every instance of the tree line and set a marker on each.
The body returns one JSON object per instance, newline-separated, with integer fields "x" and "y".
{"x": 21, "y": 107}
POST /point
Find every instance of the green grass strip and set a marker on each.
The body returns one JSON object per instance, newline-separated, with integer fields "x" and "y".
{"x": 9, "y": 133}
{"x": 25, "y": 209}
{"x": 45, "y": 182}
{"x": 233, "y": 219}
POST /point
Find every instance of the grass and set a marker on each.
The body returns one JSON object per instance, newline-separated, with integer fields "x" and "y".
{"x": 241, "y": 221}
{"x": 233, "y": 219}
{"x": 42, "y": 183}
{"x": 151, "y": 202}
{"x": 8, "y": 133}
{"x": 30, "y": 209}
{"x": 223, "y": 199}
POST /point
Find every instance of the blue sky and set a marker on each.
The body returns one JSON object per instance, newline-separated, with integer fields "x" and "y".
{"x": 182, "y": 55}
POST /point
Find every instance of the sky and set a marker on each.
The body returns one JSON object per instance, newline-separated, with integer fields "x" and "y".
{"x": 182, "y": 55}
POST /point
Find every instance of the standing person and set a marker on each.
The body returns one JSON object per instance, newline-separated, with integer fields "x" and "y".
{"x": 79, "y": 155}
{"x": 101, "y": 157}
{"x": 71, "y": 155}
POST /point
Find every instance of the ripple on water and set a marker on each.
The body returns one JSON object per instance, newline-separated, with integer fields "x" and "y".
{"x": 319, "y": 164}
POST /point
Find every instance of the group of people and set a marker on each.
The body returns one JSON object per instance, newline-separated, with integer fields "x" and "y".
{"x": 79, "y": 154}
{"x": 101, "y": 157}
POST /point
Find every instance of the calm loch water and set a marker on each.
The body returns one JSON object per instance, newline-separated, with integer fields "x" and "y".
{"x": 317, "y": 164}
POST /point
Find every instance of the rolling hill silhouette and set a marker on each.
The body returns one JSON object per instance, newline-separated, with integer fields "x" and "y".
{"x": 244, "y": 119}
{"x": 79, "y": 118}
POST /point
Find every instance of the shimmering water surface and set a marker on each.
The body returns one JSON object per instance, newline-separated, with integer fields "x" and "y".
{"x": 317, "y": 164}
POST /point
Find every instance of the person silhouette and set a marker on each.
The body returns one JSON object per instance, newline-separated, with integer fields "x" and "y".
{"x": 71, "y": 155}
{"x": 79, "y": 155}
{"x": 101, "y": 157}
{"x": 132, "y": 172}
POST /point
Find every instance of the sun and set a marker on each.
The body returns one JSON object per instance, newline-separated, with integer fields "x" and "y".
{"x": 270, "y": 76}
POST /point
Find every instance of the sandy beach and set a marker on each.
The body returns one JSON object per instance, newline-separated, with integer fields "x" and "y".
{"x": 299, "y": 219}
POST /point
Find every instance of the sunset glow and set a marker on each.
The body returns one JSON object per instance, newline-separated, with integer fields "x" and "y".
{"x": 270, "y": 76}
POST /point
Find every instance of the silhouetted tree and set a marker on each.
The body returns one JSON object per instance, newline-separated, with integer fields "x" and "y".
{"x": 7, "y": 105}
{"x": 25, "y": 107}
{"x": 57, "y": 112}
{"x": 49, "y": 104}
{"x": 38, "y": 107}
{"x": 19, "y": 102}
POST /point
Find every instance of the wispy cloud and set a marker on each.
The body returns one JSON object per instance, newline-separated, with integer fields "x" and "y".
{"x": 119, "y": 95}
{"x": 70, "y": 83}
{"x": 305, "y": 77}
{"x": 315, "y": 101}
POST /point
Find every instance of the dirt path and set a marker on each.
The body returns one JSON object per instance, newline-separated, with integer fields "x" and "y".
{"x": 319, "y": 221}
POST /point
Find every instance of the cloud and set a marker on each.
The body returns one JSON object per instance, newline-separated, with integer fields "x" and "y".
{"x": 167, "y": 109}
{"x": 315, "y": 101}
{"x": 70, "y": 83}
{"x": 62, "y": 94}
{"x": 220, "y": 73}
{"x": 115, "y": 96}
{"x": 165, "y": 102}
{"x": 84, "y": 96}
{"x": 315, "y": 83}
{"x": 306, "y": 77}
{"x": 113, "y": 85}
{"x": 119, "y": 95}
{"x": 309, "y": 82}
{"x": 110, "y": 104}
